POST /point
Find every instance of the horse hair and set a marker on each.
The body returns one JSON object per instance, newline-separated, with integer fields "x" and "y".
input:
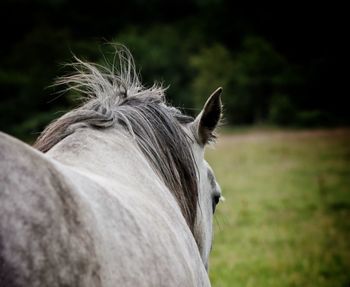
{"x": 116, "y": 97}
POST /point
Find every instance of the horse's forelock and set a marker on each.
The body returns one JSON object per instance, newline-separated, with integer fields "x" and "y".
{"x": 120, "y": 99}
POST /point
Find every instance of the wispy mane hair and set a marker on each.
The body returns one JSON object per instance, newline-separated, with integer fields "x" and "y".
{"x": 116, "y": 97}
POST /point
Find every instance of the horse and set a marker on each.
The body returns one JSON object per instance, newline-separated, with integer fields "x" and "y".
{"x": 115, "y": 192}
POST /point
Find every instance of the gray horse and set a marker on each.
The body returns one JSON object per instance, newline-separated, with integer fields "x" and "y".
{"x": 113, "y": 193}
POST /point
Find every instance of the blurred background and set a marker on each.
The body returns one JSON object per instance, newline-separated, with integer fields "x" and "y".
{"x": 283, "y": 157}
{"x": 278, "y": 66}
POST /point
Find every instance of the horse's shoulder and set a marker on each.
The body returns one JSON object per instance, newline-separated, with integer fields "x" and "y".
{"x": 12, "y": 150}
{"x": 36, "y": 204}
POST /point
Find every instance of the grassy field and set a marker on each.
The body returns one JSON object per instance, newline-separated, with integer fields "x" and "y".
{"x": 286, "y": 218}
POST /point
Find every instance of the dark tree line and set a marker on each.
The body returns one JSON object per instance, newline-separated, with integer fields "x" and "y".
{"x": 281, "y": 66}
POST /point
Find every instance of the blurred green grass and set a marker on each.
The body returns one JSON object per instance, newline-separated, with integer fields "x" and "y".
{"x": 286, "y": 218}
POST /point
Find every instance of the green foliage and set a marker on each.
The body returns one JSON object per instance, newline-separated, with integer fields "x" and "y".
{"x": 313, "y": 118}
{"x": 214, "y": 68}
{"x": 193, "y": 48}
{"x": 282, "y": 111}
{"x": 260, "y": 72}
{"x": 253, "y": 79}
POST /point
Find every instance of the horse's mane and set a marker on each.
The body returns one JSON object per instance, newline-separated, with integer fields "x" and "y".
{"x": 117, "y": 97}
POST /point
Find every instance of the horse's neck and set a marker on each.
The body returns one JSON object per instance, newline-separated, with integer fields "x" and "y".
{"x": 106, "y": 153}
{"x": 112, "y": 159}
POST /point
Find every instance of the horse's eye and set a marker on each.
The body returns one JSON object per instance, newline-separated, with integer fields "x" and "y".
{"x": 215, "y": 201}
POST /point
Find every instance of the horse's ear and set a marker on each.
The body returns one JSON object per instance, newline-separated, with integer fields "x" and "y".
{"x": 209, "y": 118}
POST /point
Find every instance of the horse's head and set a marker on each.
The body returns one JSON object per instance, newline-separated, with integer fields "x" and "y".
{"x": 209, "y": 193}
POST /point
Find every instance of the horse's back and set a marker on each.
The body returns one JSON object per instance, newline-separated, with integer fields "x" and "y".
{"x": 39, "y": 225}
{"x": 61, "y": 227}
